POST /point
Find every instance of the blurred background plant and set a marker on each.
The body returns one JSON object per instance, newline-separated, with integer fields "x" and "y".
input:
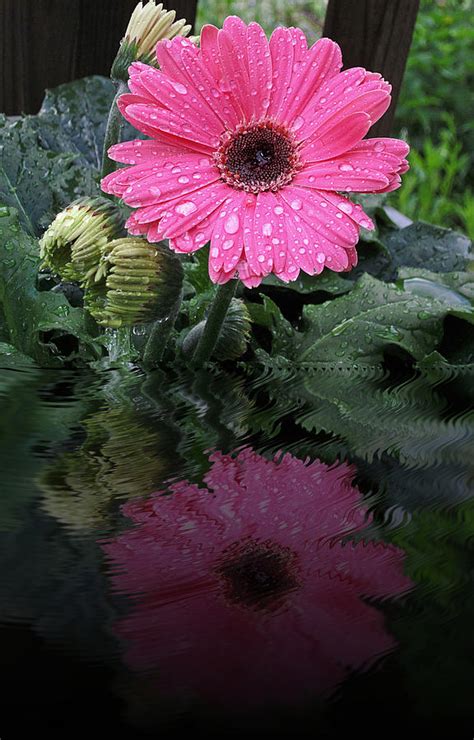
{"x": 435, "y": 111}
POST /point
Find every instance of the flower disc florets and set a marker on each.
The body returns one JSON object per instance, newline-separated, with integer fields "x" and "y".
{"x": 258, "y": 157}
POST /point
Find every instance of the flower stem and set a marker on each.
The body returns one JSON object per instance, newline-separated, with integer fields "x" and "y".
{"x": 159, "y": 336}
{"x": 112, "y": 132}
{"x": 214, "y": 322}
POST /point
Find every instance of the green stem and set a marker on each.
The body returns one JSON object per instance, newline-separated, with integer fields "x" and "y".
{"x": 214, "y": 322}
{"x": 159, "y": 336}
{"x": 112, "y": 132}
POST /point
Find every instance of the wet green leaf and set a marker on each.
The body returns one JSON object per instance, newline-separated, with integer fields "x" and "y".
{"x": 41, "y": 325}
{"x": 34, "y": 180}
{"x": 356, "y": 328}
{"x": 429, "y": 247}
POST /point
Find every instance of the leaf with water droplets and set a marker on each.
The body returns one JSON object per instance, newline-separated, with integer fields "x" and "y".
{"x": 38, "y": 323}
{"x": 34, "y": 180}
{"x": 368, "y": 319}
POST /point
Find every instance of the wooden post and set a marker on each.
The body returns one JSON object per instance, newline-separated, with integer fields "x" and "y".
{"x": 375, "y": 34}
{"x": 46, "y": 42}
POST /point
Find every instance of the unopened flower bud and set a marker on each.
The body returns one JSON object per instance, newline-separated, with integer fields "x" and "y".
{"x": 73, "y": 244}
{"x": 141, "y": 282}
{"x": 234, "y": 336}
{"x": 149, "y": 23}
{"x": 80, "y": 487}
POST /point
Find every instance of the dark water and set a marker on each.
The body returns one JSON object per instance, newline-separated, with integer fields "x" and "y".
{"x": 202, "y": 554}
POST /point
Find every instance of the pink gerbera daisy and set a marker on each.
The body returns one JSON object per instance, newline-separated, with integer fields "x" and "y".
{"x": 244, "y": 591}
{"x": 252, "y": 142}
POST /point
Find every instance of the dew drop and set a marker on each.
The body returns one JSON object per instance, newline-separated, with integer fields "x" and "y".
{"x": 261, "y": 258}
{"x": 214, "y": 252}
{"x": 155, "y": 191}
{"x": 183, "y": 179}
{"x": 298, "y": 123}
{"x": 176, "y": 170}
{"x": 267, "y": 229}
{"x": 296, "y": 204}
{"x": 186, "y": 208}
{"x": 320, "y": 257}
{"x": 278, "y": 210}
{"x": 228, "y": 244}
{"x": 232, "y": 224}
{"x": 346, "y": 207}
{"x": 379, "y": 146}
{"x": 346, "y": 167}
{"x": 181, "y": 89}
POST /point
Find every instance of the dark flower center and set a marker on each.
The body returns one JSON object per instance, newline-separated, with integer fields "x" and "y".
{"x": 258, "y": 574}
{"x": 258, "y": 157}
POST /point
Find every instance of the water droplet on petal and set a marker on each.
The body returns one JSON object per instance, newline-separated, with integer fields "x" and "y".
{"x": 298, "y": 123}
{"x": 181, "y": 89}
{"x": 278, "y": 210}
{"x": 346, "y": 207}
{"x": 267, "y": 229}
{"x": 228, "y": 244}
{"x": 379, "y": 146}
{"x": 155, "y": 191}
{"x": 320, "y": 257}
{"x": 186, "y": 208}
{"x": 346, "y": 167}
{"x": 232, "y": 224}
{"x": 214, "y": 252}
{"x": 296, "y": 204}
{"x": 183, "y": 179}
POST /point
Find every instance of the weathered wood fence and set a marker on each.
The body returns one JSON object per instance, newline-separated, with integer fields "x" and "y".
{"x": 46, "y": 42}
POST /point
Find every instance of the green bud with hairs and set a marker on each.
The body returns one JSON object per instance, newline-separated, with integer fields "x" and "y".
{"x": 73, "y": 244}
{"x": 140, "y": 282}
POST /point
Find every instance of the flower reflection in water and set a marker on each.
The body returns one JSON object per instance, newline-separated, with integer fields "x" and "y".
{"x": 247, "y": 590}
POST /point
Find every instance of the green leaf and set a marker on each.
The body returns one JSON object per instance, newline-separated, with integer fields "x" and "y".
{"x": 356, "y": 328}
{"x": 328, "y": 282}
{"x": 36, "y": 321}
{"x": 36, "y": 181}
{"x": 73, "y": 118}
{"x": 429, "y": 247}
{"x": 426, "y": 282}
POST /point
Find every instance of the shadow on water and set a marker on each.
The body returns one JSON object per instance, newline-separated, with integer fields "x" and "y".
{"x": 272, "y": 554}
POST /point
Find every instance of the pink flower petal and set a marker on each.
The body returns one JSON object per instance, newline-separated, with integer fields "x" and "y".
{"x": 171, "y": 181}
{"x": 353, "y": 210}
{"x": 176, "y": 96}
{"x": 183, "y": 214}
{"x": 209, "y": 88}
{"x": 339, "y": 135}
{"x": 168, "y": 55}
{"x": 288, "y": 49}
{"x": 343, "y": 173}
{"x": 228, "y": 235}
{"x": 326, "y": 238}
{"x": 322, "y": 62}
{"x": 166, "y": 123}
{"x": 235, "y": 74}
{"x": 260, "y": 70}
{"x": 350, "y": 92}
{"x": 146, "y": 151}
